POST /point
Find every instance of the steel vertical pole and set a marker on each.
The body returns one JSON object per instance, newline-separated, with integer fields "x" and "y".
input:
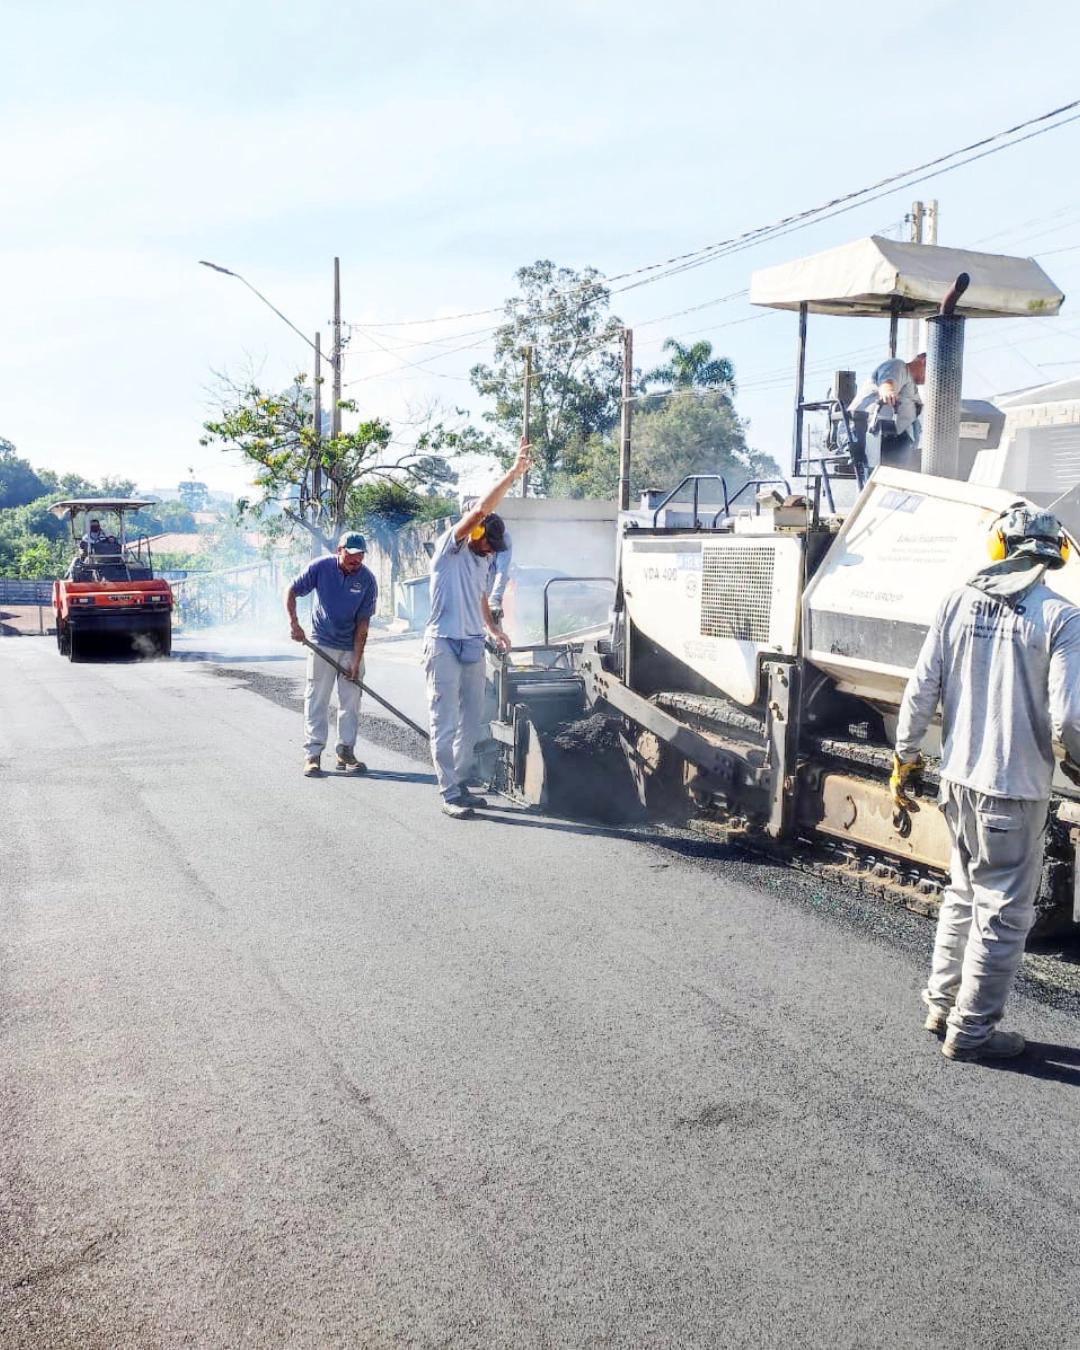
{"x": 335, "y": 411}
{"x": 627, "y": 418}
{"x": 316, "y": 458}
{"x": 800, "y": 383}
{"x": 526, "y": 413}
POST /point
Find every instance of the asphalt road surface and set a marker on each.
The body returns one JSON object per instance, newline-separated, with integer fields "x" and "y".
{"x": 292, "y": 1062}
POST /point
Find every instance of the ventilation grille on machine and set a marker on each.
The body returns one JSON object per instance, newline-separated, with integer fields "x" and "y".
{"x": 736, "y": 593}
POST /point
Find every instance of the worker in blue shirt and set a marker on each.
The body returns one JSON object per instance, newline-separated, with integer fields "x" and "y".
{"x": 345, "y": 596}
{"x": 454, "y": 639}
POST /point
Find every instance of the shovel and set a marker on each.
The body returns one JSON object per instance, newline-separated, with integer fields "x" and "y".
{"x": 370, "y": 692}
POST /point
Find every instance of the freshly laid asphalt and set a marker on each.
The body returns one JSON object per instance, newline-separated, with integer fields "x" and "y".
{"x": 292, "y": 1062}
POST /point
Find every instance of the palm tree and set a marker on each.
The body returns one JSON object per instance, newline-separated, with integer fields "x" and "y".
{"x": 694, "y": 368}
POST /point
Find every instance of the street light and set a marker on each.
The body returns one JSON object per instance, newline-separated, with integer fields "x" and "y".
{"x": 316, "y": 472}
{"x": 226, "y": 272}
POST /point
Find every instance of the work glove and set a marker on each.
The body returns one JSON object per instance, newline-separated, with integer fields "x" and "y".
{"x": 1071, "y": 770}
{"x": 898, "y": 781}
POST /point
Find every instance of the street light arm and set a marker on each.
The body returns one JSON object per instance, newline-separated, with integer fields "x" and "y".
{"x": 214, "y": 267}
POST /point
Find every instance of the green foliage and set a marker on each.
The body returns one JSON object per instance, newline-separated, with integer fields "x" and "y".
{"x": 693, "y": 367}
{"x": 381, "y": 509}
{"x": 276, "y": 432}
{"x": 460, "y": 438}
{"x": 163, "y": 518}
{"x": 687, "y": 433}
{"x": 194, "y": 495}
{"x": 562, "y": 315}
{"x": 19, "y": 483}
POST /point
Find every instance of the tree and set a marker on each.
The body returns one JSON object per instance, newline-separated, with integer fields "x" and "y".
{"x": 562, "y": 315}
{"x": 276, "y": 432}
{"x": 382, "y": 509}
{"x": 688, "y": 433}
{"x": 19, "y": 483}
{"x": 193, "y": 494}
{"x": 116, "y": 487}
{"x": 693, "y": 367}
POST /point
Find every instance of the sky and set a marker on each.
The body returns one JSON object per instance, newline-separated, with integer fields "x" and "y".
{"x": 436, "y": 149}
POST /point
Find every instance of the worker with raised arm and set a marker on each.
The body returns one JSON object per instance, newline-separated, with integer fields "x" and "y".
{"x": 1002, "y": 658}
{"x": 454, "y": 639}
{"x": 346, "y": 593}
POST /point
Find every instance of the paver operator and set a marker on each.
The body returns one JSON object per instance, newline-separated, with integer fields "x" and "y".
{"x": 345, "y": 596}
{"x": 890, "y": 400}
{"x": 454, "y": 639}
{"x": 1003, "y": 659}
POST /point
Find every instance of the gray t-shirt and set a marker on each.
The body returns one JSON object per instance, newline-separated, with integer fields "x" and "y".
{"x": 458, "y": 579}
{"x": 1008, "y": 680}
{"x": 907, "y": 394}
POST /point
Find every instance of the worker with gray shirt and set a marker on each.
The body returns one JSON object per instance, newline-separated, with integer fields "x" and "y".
{"x": 454, "y": 639}
{"x": 1002, "y": 658}
{"x": 346, "y": 593}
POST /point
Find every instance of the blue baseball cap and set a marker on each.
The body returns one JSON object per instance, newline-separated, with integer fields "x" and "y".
{"x": 353, "y": 543}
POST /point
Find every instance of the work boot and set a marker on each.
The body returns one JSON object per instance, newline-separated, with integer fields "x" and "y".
{"x": 937, "y": 1019}
{"x": 347, "y": 761}
{"x": 456, "y": 810}
{"x": 312, "y": 766}
{"x": 468, "y": 798}
{"x": 998, "y": 1045}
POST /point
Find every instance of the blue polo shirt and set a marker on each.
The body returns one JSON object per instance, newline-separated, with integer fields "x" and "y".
{"x": 341, "y": 601}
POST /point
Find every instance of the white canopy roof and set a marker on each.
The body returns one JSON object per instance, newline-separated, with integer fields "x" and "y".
{"x": 89, "y": 504}
{"x": 871, "y": 275}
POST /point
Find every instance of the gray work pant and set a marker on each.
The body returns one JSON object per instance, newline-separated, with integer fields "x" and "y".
{"x": 321, "y": 678}
{"x": 455, "y": 692}
{"x": 987, "y": 909}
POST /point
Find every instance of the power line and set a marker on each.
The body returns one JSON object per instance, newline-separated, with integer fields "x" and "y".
{"x": 906, "y": 178}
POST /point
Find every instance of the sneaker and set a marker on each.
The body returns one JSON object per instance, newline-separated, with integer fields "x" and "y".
{"x": 998, "y": 1045}
{"x": 347, "y": 761}
{"x": 937, "y": 1019}
{"x": 312, "y": 766}
{"x": 468, "y": 798}
{"x": 457, "y": 810}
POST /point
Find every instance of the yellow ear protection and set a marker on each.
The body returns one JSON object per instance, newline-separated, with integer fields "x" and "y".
{"x": 995, "y": 539}
{"x": 997, "y": 546}
{"x": 477, "y": 533}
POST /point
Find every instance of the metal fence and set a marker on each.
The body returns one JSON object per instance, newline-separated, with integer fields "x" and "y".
{"x": 233, "y": 595}
{"x": 16, "y": 592}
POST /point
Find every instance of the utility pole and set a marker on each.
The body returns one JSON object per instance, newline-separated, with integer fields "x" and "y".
{"x": 627, "y": 416}
{"x": 914, "y": 326}
{"x": 316, "y": 454}
{"x": 335, "y": 411}
{"x": 930, "y": 221}
{"x": 526, "y": 411}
